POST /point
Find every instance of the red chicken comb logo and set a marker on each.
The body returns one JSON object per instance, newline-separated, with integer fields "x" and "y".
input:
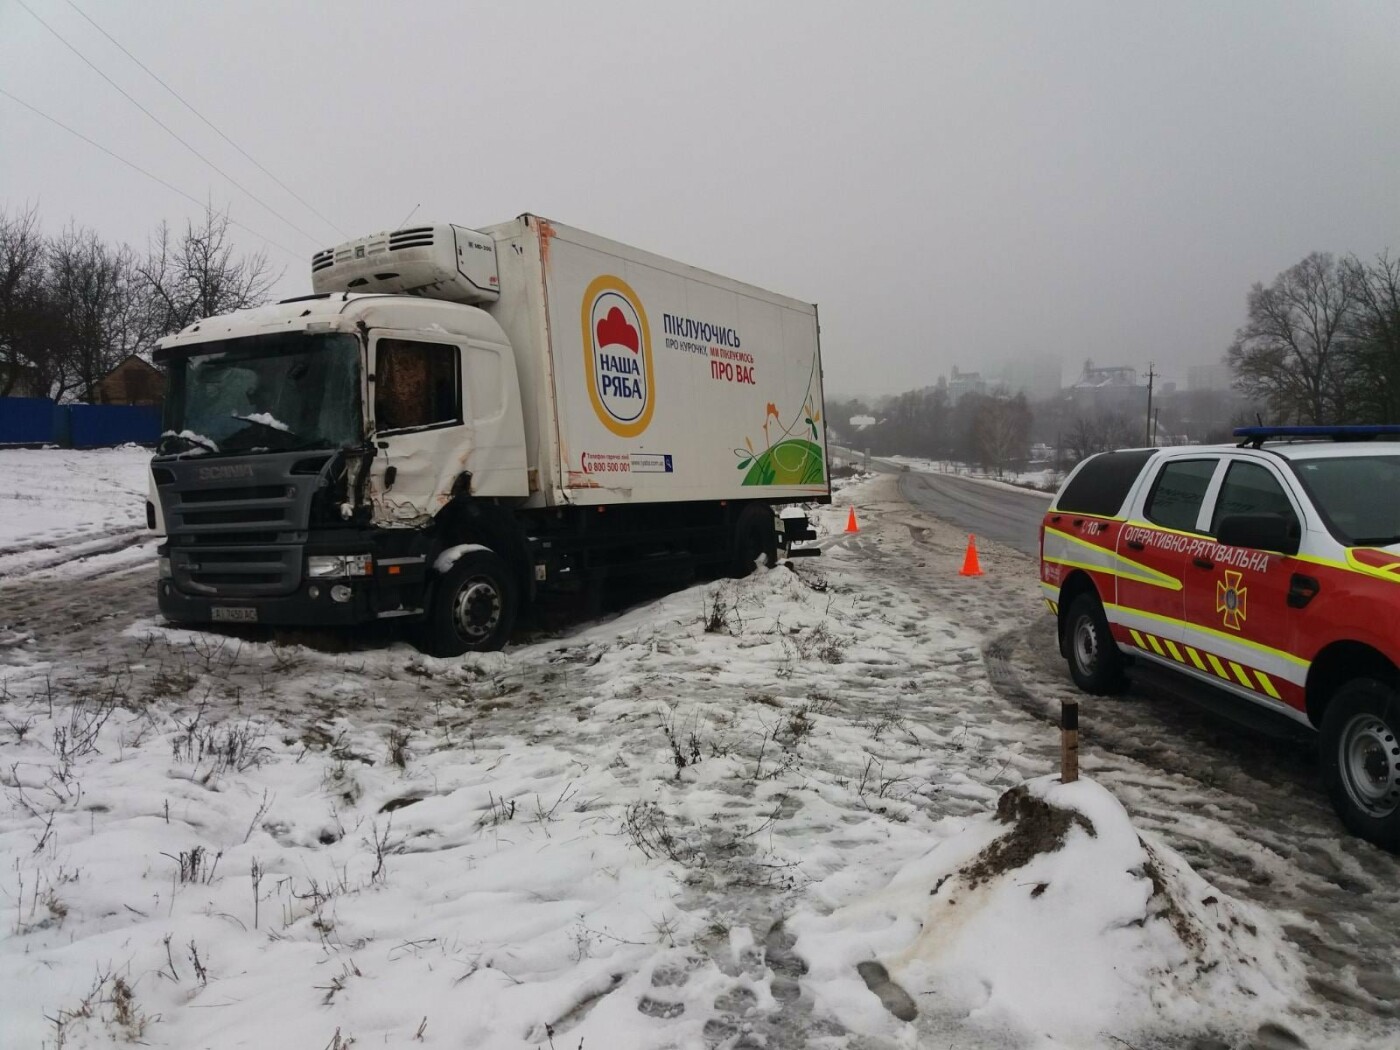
{"x": 614, "y": 330}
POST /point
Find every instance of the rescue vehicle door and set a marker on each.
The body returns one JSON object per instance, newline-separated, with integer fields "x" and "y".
{"x": 1152, "y": 555}
{"x": 1238, "y": 618}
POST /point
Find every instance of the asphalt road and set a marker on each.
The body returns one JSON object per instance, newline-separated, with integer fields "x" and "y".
{"x": 1003, "y": 515}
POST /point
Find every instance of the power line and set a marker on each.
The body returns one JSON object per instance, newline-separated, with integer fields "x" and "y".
{"x": 143, "y": 171}
{"x": 168, "y": 130}
{"x": 201, "y": 116}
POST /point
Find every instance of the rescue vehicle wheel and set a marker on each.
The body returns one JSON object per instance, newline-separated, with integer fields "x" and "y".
{"x": 1095, "y": 663}
{"x": 1361, "y": 759}
{"x": 473, "y": 607}
{"x": 755, "y": 536}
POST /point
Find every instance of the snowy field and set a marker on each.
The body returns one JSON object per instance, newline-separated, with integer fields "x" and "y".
{"x": 788, "y": 811}
{"x": 60, "y": 507}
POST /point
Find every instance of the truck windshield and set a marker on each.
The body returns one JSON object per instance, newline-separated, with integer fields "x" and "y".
{"x": 1358, "y": 496}
{"x": 264, "y": 393}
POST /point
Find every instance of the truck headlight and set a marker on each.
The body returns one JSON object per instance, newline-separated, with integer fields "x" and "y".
{"x": 319, "y": 566}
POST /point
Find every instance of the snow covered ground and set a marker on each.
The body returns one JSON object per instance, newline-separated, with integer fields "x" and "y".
{"x": 60, "y": 507}
{"x": 788, "y": 811}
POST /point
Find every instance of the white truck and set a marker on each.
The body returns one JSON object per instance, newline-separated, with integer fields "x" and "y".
{"x": 459, "y": 420}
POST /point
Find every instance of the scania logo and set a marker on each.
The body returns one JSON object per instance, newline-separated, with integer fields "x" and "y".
{"x": 226, "y": 473}
{"x": 617, "y": 356}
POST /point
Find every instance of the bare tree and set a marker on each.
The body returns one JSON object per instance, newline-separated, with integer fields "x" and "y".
{"x": 196, "y": 274}
{"x": 96, "y": 309}
{"x": 1292, "y": 352}
{"x": 1001, "y": 430}
{"x": 1375, "y": 335}
{"x": 22, "y": 274}
{"x": 1101, "y": 432}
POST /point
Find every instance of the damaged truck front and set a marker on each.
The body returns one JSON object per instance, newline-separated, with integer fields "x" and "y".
{"x": 309, "y": 449}
{"x": 461, "y": 420}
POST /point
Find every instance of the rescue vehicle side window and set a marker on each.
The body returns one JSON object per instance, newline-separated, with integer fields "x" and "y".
{"x": 1180, "y": 490}
{"x": 1101, "y": 485}
{"x": 1251, "y": 489}
{"x": 416, "y": 385}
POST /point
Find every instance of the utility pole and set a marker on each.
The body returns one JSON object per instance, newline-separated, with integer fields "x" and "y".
{"x": 1151, "y": 375}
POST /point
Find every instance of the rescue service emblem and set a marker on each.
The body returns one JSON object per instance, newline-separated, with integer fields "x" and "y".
{"x": 1230, "y": 600}
{"x": 617, "y": 356}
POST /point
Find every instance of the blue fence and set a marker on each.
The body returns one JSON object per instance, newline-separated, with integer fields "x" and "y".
{"x": 38, "y": 421}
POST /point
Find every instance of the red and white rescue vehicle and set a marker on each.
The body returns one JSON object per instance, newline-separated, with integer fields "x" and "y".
{"x": 1269, "y": 570}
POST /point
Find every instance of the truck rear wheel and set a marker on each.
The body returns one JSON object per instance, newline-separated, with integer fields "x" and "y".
{"x": 473, "y": 606}
{"x": 755, "y": 536}
{"x": 1361, "y": 759}
{"x": 1095, "y": 663}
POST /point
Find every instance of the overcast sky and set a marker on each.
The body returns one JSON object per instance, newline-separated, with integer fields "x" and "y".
{"x": 954, "y": 184}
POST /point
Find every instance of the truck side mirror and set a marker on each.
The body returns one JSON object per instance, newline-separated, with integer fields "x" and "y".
{"x": 1264, "y": 532}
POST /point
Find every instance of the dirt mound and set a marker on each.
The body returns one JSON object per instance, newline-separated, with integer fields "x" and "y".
{"x": 1036, "y": 827}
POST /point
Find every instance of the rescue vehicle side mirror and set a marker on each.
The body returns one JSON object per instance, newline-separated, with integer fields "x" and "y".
{"x": 1262, "y": 532}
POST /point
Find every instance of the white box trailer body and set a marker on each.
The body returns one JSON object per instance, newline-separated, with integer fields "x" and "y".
{"x": 644, "y": 379}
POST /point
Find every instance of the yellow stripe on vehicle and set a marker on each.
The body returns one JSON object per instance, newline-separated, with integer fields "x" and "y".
{"x": 1176, "y": 653}
{"x": 1121, "y": 565}
{"x": 1241, "y": 675}
{"x": 1219, "y": 667}
{"x": 1152, "y": 639}
{"x": 1267, "y": 685}
{"x": 1137, "y": 638}
{"x": 1234, "y": 639}
{"x": 1195, "y": 658}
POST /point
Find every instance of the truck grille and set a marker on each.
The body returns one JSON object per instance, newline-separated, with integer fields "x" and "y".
{"x": 234, "y": 573}
{"x": 238, "y": 541}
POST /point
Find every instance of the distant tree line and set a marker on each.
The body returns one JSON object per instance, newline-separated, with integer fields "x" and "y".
{"x": 992, "y": 430}
{"x": 72, "y": 306}
{"x": 1321, "y": 344}
{"x": 996, "y": 431}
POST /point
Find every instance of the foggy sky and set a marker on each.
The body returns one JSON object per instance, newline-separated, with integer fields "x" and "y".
{"x": 953, "y": 184}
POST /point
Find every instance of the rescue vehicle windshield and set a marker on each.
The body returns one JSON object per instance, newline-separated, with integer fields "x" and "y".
{"x": 1358, "y": 496}
{"x": 264, "y": 393}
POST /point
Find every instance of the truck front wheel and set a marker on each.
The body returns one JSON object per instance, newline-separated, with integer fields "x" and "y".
{"x": 473, "y": 606}
{"x": 1361, "y": 759}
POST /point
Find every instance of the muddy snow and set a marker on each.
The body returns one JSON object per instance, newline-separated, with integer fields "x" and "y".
{"x": 801, "y": 809}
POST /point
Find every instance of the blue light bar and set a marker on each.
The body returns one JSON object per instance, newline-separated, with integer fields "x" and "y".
{"x": 1337, "y": 433}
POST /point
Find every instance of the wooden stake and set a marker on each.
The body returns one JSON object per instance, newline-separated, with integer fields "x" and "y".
{"x": 1069, "y": 741}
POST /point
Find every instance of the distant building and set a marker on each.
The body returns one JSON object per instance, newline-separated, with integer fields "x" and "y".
{"x": 1113, "y": 388}
{"x": 1039, "y": 377}
{"x": 1209, "y": 377}
{"x": 861, "y": 422}
{"x": 960, "y": 384}
{"x": 133, "y": 382}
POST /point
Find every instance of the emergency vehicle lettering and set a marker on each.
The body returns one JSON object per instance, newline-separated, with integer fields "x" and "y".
{"x": 1075, "y": 553}
{"x": 1199, "y": 547}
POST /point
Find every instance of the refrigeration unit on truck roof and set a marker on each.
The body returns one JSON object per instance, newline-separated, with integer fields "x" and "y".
{"x": 435, "y": 262}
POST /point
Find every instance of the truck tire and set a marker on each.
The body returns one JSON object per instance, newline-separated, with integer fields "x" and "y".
{"x": 755, "y": 536}
{"x": 1361, "y": 759}
{"x": 1095, "y": 663}
{"x": 473, "y": 606}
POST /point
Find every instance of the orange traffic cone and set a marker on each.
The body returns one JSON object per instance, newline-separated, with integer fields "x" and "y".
{"x": 851, "y": 525}
{"x": 971, "y": 566}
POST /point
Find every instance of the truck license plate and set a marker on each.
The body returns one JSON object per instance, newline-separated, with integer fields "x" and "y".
{"x": 234, "y": 614}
